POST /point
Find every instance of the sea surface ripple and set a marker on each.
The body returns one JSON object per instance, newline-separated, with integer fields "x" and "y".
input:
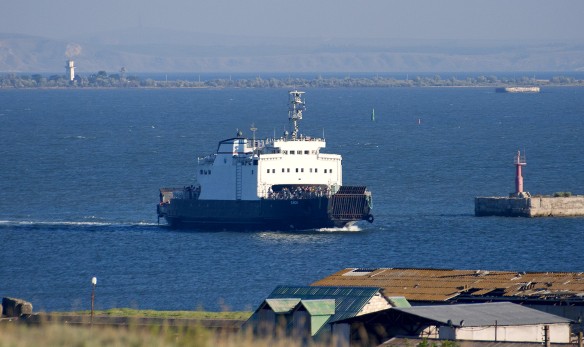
{"x": 80, "y": 172}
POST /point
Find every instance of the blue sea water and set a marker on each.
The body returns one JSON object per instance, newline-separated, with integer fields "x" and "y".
{"x": 80, "y": 172}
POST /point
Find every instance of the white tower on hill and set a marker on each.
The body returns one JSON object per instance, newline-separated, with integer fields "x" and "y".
{"x": 70, "y": 69}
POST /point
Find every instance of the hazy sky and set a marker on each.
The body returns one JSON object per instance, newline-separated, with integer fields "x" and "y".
{"x": 407, "y": 19}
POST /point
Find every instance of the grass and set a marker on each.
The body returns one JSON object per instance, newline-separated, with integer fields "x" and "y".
{"x": 129, "y": 312}
{"x": 165, "y": 334}
{"x": 13, "y": 334}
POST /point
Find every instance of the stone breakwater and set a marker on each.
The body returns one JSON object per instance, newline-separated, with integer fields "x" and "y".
{"x": 532, "y": 206}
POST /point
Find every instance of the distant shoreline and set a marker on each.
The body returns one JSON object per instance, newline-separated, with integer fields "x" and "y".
{"x": 282, "y": 87}
{"x": 102, "y": 80}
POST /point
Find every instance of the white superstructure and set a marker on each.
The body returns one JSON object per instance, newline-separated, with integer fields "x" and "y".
{"x": 249, "y": 169}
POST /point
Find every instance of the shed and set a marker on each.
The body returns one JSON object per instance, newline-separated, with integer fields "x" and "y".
{"x": 273, "y": 314}
{"x": 309, "y": 316}
{"x": 500, "y": 321}
{"x": 290, "y": 309}
{"x": 349, "y": 301}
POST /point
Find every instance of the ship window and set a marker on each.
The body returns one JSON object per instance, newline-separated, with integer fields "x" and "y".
{"x": 306, "y": 152}
{"x": 255, "y": 162}
{"x": 268, "y": 170}
{"x": 298, "y": 152}
{"x": 324, "y": 170}
{"x": 288, "y": 170}
{"x": 315, "y": 170}
{"x": 285, "y": 152}
{"x": 209, "y": 172}
{"x": 283, "y": 170}
{"x": 330, "y": 170}
{"x": 273, "y": 170}
{"x": 296, "y": 169}
{"x": 292, "y": 152}
{"x": 252, "y": 172}
{"x": 201, "y": 172}
{"x": 302, "y": 170}
{"x": 311, "y": 170}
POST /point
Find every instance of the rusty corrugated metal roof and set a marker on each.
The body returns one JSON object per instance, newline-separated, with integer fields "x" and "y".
{"x": 443, "y": 284}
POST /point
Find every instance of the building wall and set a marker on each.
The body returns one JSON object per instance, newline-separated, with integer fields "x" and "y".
{"x": 301, "y": 169}
{"x": 377, "y": 303}
{"x": 301, "y": 324}
{"x": 559, "y": 333}
{"x": 341, "y": 335}
{"x": 316, "y": 323}
{"x": 266, "y": 322}
{"x": 568, "y": 311}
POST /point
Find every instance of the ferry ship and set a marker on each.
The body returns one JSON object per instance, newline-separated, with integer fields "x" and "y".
{"x": 283, "y": 183}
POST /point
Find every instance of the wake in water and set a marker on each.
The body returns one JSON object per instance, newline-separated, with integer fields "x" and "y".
{"x": 71, "y": 225}
{"x": 348, "y": 228}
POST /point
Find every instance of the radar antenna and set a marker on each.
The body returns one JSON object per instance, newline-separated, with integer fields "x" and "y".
{"x": 295, "y": 111}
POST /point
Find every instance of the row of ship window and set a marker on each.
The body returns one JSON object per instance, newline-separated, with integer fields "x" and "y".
{"x": 311, "y": 170}
{"x": 208, "y": 172}
{"x": 300, "y": 170}
{"x": 298, "y": 152}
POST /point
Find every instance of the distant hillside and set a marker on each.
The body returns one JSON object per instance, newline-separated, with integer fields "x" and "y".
{"x": 156, "y": 50}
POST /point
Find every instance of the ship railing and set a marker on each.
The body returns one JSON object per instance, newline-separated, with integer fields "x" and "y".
{"x": 206, "y": 159}
{"x": 299, "y": 193}
{"x": 301, "y": 138}
{"x": 259, "y": 144}
{"x": 246, "y": 159}
{"x": 191, "y": 192}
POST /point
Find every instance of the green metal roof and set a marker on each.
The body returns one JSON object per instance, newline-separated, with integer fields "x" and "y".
{"x": 282, "y": 305}
{"x": 348, "y": 300}
{"x": 399, "y": 301}
{"x": 321, "y": 307}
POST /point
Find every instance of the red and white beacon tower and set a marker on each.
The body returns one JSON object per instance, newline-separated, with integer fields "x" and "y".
{"x": 519, "y": 163}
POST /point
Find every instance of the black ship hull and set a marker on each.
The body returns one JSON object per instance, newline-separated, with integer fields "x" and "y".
{"x": 335, "y": 211}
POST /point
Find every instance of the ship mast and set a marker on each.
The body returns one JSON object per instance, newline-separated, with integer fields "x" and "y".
{"x": 253, "y": 144}
{"x": 295, "y": 111}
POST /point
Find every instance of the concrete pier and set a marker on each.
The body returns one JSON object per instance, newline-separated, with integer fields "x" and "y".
{"x": 530, "y": 206}
{"x": 522, "y": 204}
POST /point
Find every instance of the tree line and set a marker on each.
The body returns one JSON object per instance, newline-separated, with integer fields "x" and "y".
{"x": 102, "y": 79}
